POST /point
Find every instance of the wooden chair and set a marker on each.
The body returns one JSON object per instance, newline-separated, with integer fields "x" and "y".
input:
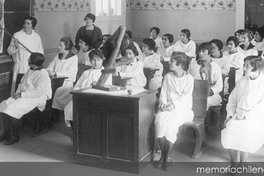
{"x": 196, "y": 51}
{"x": 166, "y": 67}
{"x": 149, "y": 74}
{"x": 232, "y": 79}
{"x": 199, "y": 109}
{"x": 217, "y": 109}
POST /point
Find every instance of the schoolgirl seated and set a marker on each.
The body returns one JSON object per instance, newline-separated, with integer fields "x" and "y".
{"x": 167, "y": 47}
{"x": 33, "y": 91}
{"x": 88, "y": 78}
{"x": 85, "y": 49}
{"x": 151, "y": 60}
{"x": 105, "y": 38}
{"x": 134, "y": 70}
{"x": 218, "y": 57}
{"x": 237, "y": 34}
{"x": 175, "y": 106}
{"x": 154, "y": 35}
{"x": 244, "y": 132}
{"x": 246, "y": 47}
{"x": 186, "y": 45}
{"x": 85, "y": 45}
{"x": 129, "y": 33}
{"x": 65, "y": 64}
{"x": 258, "y": 40}
{"x": 109, "y": 46}
{"x": 214, "y": 75}
{"x": 236, "y": 58}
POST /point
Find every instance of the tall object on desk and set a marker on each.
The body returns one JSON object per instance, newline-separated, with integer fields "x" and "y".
{"x": 110, "y": 68}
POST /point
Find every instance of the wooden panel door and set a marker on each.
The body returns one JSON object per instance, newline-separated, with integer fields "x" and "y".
{"x": 120, "y": 137}
{"x": 90, "y": 132}
{"x": 110, "y": 14}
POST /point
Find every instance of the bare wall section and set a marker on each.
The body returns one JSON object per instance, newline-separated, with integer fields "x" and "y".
{"x": 57, "y": 19}
{"x": 205, "y": 19}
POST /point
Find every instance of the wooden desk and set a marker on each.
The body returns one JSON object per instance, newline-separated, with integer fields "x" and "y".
{"x": 114, "y": 131}
{"x": 56, "y": 82}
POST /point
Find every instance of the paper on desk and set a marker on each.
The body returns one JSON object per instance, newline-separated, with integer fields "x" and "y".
{"x": 127, "y": 92}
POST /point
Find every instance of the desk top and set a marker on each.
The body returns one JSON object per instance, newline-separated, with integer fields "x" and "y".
{"x": 136, "y": 93}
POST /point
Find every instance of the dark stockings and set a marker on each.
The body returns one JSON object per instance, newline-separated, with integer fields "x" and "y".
{"x": 71, "y": 122}
{"x": 6, "y": 124}
{"x": 238, "y": 158}
{"x": 166, "y": 153}
{"x": 11, "y": 127}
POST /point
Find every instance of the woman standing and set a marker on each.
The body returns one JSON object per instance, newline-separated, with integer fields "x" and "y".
{"x": 91, "y": 30}
{"x": 20, "y": 55}
{"x": 175, "y": 106}
{"x": 244, "y": 132}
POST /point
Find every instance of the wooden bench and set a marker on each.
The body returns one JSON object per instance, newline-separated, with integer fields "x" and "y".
{"x": 199, "y": 110}
{"x": 198, "y": 124}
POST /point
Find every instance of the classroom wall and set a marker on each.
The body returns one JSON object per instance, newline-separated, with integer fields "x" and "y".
{"x": 205, "y": 19}
{"x": 57, "y": 19}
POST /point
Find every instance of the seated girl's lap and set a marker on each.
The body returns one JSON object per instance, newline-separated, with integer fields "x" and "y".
{"x": 245, "y": 124}
{"x": 27, "y": 103}
{"x": 176, "y": 116}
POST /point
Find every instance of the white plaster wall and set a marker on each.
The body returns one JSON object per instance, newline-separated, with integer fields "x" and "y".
{"x": 52, "y": 26}
{"x": 203, "y": 24}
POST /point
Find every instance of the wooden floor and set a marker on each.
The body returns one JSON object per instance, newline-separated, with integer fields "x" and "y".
{"x": 52, "y": 154}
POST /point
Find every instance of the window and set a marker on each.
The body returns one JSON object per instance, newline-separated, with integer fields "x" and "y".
{"x": 108, "y": 7}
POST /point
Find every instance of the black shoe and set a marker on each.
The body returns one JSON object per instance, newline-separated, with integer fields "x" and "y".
{"x": 12, "y": 140}
{"x": 167, "y": 164}
{"x": 160, "y": 163}
{"x": 14, "y": 136}
{"x": 3, "y": 137}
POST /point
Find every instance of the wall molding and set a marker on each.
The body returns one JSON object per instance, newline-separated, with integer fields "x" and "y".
{"x": 182, "y": 4}
{"x": 61, "y": 5}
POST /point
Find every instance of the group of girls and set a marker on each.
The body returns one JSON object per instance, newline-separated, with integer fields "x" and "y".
{"x": 243, "y": 132}
{"x": 244, "y": 124}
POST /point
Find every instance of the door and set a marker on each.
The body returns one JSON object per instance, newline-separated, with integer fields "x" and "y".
{"x": 110, "y": 14}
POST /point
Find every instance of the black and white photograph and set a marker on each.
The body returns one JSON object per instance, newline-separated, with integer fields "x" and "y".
{"x": 131, "y": 87}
